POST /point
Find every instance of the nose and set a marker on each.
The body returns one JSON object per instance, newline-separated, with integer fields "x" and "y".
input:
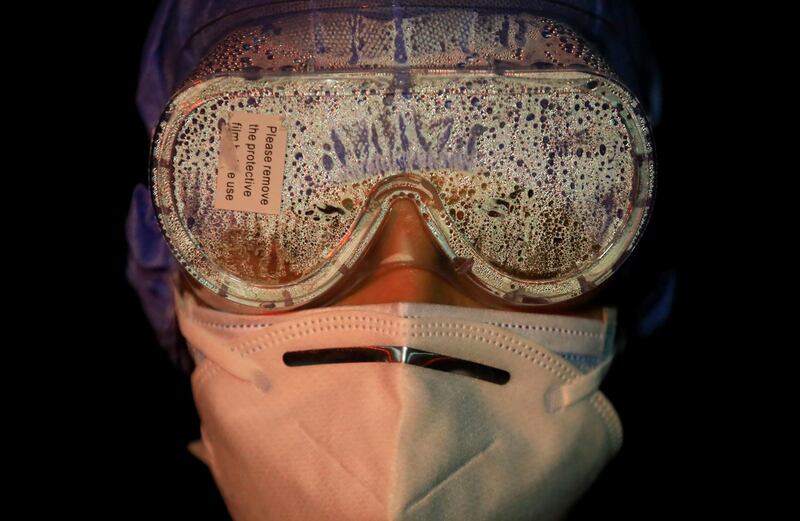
{"x": 404, "y": 239}
{"x": 405, "y": 265}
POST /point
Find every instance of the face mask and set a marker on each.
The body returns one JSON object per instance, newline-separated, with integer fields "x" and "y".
{"x": 303, "y": 419}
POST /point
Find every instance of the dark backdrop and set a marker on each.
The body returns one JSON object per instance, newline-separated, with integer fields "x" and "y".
{"x": 141, "y": 405}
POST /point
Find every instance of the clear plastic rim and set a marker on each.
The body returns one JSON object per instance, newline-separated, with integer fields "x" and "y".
{"x": 344, "y": 257}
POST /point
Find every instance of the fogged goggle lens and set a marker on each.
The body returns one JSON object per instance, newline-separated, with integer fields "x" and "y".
{"x": 534, "y": 181}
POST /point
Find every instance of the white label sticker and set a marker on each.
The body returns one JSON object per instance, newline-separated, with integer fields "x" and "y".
{"x": 252, "y": 155}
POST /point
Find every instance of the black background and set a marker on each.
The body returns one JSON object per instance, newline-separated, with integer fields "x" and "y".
{"x": 139, "y": 406}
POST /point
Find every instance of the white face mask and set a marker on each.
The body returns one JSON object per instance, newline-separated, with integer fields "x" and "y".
{"x": 398, "y": 441}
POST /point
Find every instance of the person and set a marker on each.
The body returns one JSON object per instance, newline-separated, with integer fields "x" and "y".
{"x": 276, "y": 310}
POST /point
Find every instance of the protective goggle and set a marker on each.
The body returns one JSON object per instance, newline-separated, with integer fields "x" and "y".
{"x": 276, "y": 164}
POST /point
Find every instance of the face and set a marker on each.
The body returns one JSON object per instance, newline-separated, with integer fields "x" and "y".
{"x": 517, "y": 177}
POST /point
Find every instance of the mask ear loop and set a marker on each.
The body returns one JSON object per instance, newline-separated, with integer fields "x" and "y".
{"x": 562, "y": 396}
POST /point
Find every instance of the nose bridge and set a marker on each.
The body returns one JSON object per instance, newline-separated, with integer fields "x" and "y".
{"x": 408, "y": 259}
{"x": 404, "y": 261}
{"x": 404, "y": 236}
